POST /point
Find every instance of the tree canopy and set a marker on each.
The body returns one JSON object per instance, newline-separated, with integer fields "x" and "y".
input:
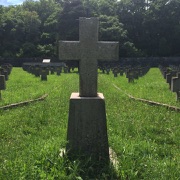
{"x": 142, "y": 27}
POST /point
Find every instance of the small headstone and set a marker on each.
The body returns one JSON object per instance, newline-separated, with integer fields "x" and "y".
{"x": 103, "y": 70}
{"x": 52, "y": 69}
{"x": 44, "y": 73}
{"x": 37, "y": 70}
{"x": 130, "y": 75}
{"x": 115, "y": 71}
{"x": 169, "y": 76}
{"x": 8, "y": 67}
{"x": 136, "y": 74}
{"x": 4, "y": 72}
{"x": 65, "y": 69}
{"x": 121, "y": 73}
{"x": 2, "y": 84}
{"x": 58, "y": 70}
{"x": 68, "y": 69}
{"x": 175, "y": 85}
{"x": 108, "y": 69}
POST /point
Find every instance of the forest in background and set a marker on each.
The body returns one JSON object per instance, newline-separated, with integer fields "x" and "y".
{"x": 144, "y": 28}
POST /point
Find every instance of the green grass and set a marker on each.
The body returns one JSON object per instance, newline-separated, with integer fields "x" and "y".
{"x": 145, "y": 138}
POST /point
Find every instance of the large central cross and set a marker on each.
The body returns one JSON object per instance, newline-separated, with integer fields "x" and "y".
{"x": 88, "y": 50}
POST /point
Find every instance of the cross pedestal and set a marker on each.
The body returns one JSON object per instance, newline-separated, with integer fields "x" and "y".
{"x": 87, "y": 130}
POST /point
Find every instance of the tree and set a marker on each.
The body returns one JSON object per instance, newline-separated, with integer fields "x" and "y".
{"x": 18, "y": 28}
{"x": 143, "y": 27}
{"x": 107, "y": 7}
{"x": 111, "y": 29}
{"x": 132, "y": 13}
{"x": 68, "y": 23}
{"x": 8, "y": 26}
{"x": 162, "y": 26}
{"x": 48, "y": 11}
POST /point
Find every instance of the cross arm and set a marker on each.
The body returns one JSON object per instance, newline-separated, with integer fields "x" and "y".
{"x": 69, "y": 50}
{"x": 108, "y": 51}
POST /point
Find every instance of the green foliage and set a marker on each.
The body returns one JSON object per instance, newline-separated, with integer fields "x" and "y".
{"x": 18, "y": 29}
{"x": 150, "y": 22}
{"x": 46, "y": 50}
{"x": 143, "y": 28}
{"x": 112, "y": 30}
{"x": 145, "y": 138}
{"x": 69, "y": 25}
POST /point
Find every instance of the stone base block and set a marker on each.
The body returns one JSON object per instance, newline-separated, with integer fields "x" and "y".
{"x": 87, "y": 129}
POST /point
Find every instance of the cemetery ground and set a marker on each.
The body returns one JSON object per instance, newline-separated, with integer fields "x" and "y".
{"x": 144, "y": 137}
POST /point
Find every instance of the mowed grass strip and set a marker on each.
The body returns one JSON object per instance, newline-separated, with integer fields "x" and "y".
{"x": 145, "y": 138}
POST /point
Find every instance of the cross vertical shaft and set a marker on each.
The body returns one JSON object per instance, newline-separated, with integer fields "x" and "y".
{"x": 88, "y": 63}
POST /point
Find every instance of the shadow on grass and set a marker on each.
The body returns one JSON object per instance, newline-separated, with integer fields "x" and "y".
{"x": 88, "y": 168}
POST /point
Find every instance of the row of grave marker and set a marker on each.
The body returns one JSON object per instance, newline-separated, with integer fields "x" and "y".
{"x": 131, "y": 72}
{"x": 43, "y": 70}
{"x": 40, "y": 69}
{"x": 5, "y": 71}
{"x": 172, "y": 75}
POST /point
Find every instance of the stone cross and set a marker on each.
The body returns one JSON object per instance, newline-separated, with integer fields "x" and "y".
{"x": 88, "y": 50}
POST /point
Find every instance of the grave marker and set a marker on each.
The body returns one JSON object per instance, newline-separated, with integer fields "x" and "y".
{"x": 44, "y": 72}
{"x": 108, "y": 69}
{"x": 65, "y": 69}
{"x": 37, "y": 70}
{"x": 58, "y": 70}
{"x": 130, "y": 75}
{"x": 2, "y": 84}
{"x": 4, "y": 72}
{"x": 169, "y": 76}
{"x": 52, "y": 69}
{"x": 175, "y": 85}
{"x": 121, "y": 72}
{"x": 115, "y": 71}
{"x": 87, "y": 131}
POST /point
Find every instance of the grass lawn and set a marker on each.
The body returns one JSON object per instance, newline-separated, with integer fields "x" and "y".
{"x": 144, "y": 137}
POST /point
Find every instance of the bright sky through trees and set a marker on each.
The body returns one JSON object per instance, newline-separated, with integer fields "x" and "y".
{"x": 11, "y": 2}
